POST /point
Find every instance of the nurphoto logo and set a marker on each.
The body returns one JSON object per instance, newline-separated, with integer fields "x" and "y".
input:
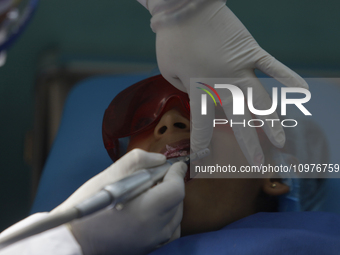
{"x": 239, "y": 99}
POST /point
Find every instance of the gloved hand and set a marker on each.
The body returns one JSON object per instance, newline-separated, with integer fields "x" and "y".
{"x": 204, "y": 39}
{"x": 144, "y": 223}
{"x": 131, "y": 162}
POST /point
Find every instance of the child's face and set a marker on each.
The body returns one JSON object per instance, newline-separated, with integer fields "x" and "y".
{"x": 171, "y": 136}
{"x": 209, "y": 204}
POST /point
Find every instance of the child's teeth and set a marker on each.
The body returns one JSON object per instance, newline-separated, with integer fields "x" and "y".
{"x": 168, "y": 147}
{"x": 183, "y": 153}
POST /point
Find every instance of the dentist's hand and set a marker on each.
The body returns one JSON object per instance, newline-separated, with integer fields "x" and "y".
{"x": 151, "y": 219}
{"x": 204, "y": 39}
{"x": 131, "y": 162}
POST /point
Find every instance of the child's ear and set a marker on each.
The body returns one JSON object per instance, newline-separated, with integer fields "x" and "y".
{"x": 274, "y": 187}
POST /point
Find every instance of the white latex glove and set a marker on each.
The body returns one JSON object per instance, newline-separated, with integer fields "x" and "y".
{"x": 55, "y": 241}
{"x": 204, "y": 39}
{"x": 132, "y": 161}
{"x": 144, "y": 223}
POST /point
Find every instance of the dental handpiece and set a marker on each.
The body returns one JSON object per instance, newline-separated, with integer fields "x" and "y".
{"x": 119, "y": 193}
{"x": 116, "y": 194}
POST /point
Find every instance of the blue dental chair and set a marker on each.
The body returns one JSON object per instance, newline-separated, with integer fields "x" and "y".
{"x": 78, "y": 154}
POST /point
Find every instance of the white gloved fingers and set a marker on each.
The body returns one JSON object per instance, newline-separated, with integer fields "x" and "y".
{"x": 245, "y": 135}
{"x": 274, "y": 68}
{"x": 260, "y": 100}
{"x": 136, "y": 229}
{"x": 138, "y": 159}
{"x": 172, "y": 230}
{"x": 132, "y": 161}
{"x": 168, "y": 194}
{"x": 201, "y": 123}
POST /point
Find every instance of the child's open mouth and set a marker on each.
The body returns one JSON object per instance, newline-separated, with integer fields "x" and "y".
{"x": 178, "y": 149}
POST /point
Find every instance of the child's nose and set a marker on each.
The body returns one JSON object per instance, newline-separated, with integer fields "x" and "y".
{"x": 171, "y": 122}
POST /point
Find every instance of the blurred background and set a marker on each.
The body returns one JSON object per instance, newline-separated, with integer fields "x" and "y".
{"x": 68, "y": 41}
